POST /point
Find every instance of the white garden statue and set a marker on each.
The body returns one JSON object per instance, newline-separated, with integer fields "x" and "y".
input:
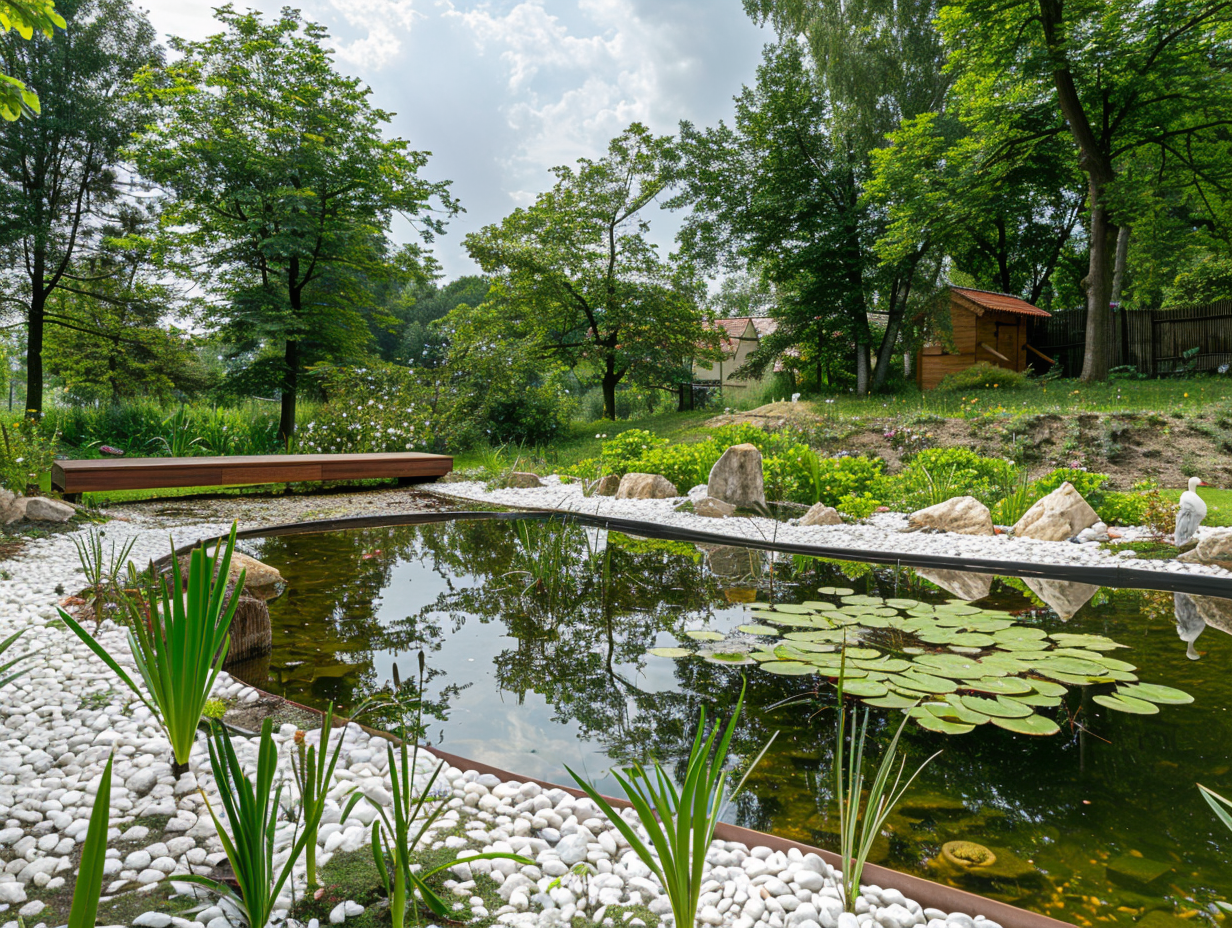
{"x": 1191, "y": 513}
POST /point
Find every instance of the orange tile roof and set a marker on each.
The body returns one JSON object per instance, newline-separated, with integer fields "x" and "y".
{"x": 998, "y": 302}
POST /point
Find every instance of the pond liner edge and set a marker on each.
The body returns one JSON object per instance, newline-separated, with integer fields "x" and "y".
{"x": 1120, "y": 577}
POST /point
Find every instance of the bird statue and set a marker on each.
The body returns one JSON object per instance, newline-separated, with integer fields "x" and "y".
{"x": 1189, "y": 625}
{"x": 1191, "y": 513}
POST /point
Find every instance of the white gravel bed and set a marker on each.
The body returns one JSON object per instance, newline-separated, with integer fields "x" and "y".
{"x": 59, "y": 723}
{"x": 882, "y": 532}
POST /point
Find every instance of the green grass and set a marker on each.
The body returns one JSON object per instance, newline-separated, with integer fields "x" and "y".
{"x": 1218, "y": 505}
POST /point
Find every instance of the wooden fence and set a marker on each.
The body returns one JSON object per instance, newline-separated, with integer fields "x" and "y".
{"x": 1152, "y": 340}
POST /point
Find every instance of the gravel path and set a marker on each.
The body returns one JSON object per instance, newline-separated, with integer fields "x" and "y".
{"x": 882, "y": 532}
{"x": 59, "y": 723}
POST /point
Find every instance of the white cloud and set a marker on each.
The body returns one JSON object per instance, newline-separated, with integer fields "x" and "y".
{"x": 382, "y": 19}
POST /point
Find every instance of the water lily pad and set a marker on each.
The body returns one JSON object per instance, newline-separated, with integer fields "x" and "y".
{"x": 1047, "y": 687}
{"x": 1008, "y": 686}
{"x": 819, "y": 605}
{"x": 891, "y": 701}
{"x": 963, "y": 712}
{"x": 863, "y": 653}
{"x": 1038, "y": 725}
{"x": 1020, "y": 633}
{"x": 670, "y": 652}
{"x": 956, "y": 607}
{"x": 1111, "y": 662}
{"x": 728, "y": 657}
{"x": 835, "y": 591}
{"x": 793, "y": 608}
{"x": 885, "y": 664}
{"x": 702, "y": 635}
{"x": 1154, "y": 692}
{"x": 1038, "y": 700}
{"x": 815, "y": 647}
{"x": 1073, "y": 679}
{"x": 898, "y": 603}
{"x": 932, "y": 723}
{"x": 1127, "y": 704}
{"x": 757, "y": 629}
{"x": 869, "y": 688}
{"x": 996, "y": 708}
{"x": 788, "y": 668}
{"x": 1072, "y": 665}
{"x": 924, "y": 683}
{"x": 973, "y": 640}
{"x": 1092, "y": 642}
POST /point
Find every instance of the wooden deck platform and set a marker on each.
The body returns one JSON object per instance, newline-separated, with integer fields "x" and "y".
{"x": 73, "y": 478}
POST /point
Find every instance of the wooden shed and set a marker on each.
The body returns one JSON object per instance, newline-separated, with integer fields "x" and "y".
{"x": 985, "y": 326}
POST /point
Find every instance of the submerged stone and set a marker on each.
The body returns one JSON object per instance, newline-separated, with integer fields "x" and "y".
{"x": 1136, "y": 871}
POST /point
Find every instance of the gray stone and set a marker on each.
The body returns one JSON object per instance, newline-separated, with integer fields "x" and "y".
{"x": 1215, "y": 548}
{"x": 520, "y": 480}
{"x": 1064, "y": 597}
{"x": 713, "y": 508}
{"x": 571, "y": 849}
{"x": 42, "y": 509}
{"x": 260, "y": 580}
{"x": 1060, "y": 515}
{"x": 963, "y": 515}
{"x": 962, "y": 583}
{"x": 736, "y": 477}
{"x": 607, "y": 485}
{"x": 152, "y": 920}
{"x": 821, "y": 514}
{"x": 645, "y": 486}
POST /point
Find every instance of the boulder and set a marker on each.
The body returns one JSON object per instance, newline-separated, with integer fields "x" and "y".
{"x": 1215, "y": 611}
{"x": 821, "y": 514}
{"x": 251, "y": 633}
{"x": 1064, "y": 597}
{"x": 42, "y": 509}
{"x": 964, "y": 515}
{"x": 736, "y": 477}
{"x": 260, "y": 580}
{"x": 1214, "y": 547}
{"x": 608, "y": 485}
{"x": 1060, "y": 515}
{"x": 713, "y": 508}
{"x": 962, "y": 583}
{"x": 519, "y": 480}
{"x": 645, "y": 486}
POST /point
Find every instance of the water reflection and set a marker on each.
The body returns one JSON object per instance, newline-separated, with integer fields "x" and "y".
{"x": 534, "y": 666}
{"x": 1195, "y": 613}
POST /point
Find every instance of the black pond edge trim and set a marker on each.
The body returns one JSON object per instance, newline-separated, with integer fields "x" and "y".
{"x": 1118, "y": 577}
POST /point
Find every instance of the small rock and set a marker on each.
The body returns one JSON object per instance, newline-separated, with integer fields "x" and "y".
{"x": 645, "y": 486}
{"x": 821, "y": 514}
{"x": 152, "y": 920}
{"x": 964, "y": 515}
{"x": 1061, "y": 514}
{"x": 41, "y": 509}
{"x": 713, "y": 508}
{"x": 520, "y": 480}
{"x": 607, "y": 485}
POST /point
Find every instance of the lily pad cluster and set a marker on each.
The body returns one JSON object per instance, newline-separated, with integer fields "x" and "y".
{"x": 953, "y": 665}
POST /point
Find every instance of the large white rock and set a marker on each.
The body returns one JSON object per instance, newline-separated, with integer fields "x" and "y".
{"x": 821, "y": 514}
{"x": 42, "y": 509}
{"x": 1064, "y": 597}
{"x": 736, "y": 477}
{"x": 962, "y": 583}
{"x": 645, "y": 486}
{"x": 1214, "y": 548}
{"x": 964, "y": 515}
{"x": 1060, "y": 515}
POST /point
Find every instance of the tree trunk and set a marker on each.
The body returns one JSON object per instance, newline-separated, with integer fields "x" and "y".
{"x": 609, "y": 390}
{"x": 1097, "y": 352}
{"x": 1118, "y": 270}
{"x": 35, "y": 324}
{"x": 290, "y": 386}
{"x": 894, "y": 322}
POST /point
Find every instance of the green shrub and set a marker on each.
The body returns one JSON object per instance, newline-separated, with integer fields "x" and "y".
{"x": 950, "y": 472}
{"x": 984, "y": 376}
{"x": 1089, "y": 484}
{"x": 1124, "y": 508}
{"x": 858, "y": 507}
{"x": 686, "y": 464}
{"x": 26, "y": 454}
{"x": 622, "y": 451}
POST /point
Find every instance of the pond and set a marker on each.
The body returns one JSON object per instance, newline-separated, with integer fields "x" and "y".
{"x": 538, "y": 638}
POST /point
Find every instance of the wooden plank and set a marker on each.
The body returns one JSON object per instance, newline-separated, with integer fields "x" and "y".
{"x": 154, "y": 473}
{"x": 993, "y": 351}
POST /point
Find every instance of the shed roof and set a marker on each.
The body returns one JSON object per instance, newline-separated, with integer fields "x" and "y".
{"x": 983, "y": 300}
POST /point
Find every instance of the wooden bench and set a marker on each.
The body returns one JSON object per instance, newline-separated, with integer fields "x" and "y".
{"x": 72, "y": 478}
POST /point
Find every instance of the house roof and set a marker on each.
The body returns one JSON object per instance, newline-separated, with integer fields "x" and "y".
{"x": 734, "y": 329}
{"x": 997, "y": 302}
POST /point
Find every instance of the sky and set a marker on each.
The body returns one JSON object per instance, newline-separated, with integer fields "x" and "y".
{"x": 502, "y": 91}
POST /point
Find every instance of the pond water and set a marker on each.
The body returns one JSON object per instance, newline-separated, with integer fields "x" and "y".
{"x": 537, "y": 636}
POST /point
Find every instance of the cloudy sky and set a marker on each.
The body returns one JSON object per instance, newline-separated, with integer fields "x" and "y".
{"x": 501, "y": 91}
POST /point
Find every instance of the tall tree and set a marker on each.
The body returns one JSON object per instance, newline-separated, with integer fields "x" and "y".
{"x": 577, "y": 271}
{"x": 1126, "y": 79}
{"x": 61, "y": 175}
{"x": 284, "y": 190}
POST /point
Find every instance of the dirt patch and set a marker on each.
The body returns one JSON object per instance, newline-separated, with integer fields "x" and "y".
{"x": 250, "y": 715}
{"x": 1128, "y": 447}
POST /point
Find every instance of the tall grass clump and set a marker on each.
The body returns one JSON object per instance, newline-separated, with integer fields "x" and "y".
{"x": 314, "y": 770}
{"x": 679, "y": 821}
{"x": 179, "y": 639}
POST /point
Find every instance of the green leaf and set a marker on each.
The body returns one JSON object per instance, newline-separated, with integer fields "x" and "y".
{"x": 1127, "y": 704}
{"x": 1154, "y": 692}
{"x": 1027, "y": 725}
{"x": 93, "y": 855}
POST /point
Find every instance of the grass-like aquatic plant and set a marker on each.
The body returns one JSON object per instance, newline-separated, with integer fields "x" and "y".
{"x": 5, "y": 668}
{"x": 861, "y": 817}
{"x": 179, "y": 639}
{"x": 102, "y": 570}
{"x": 89, "y": 887}
{"x": 680, "y": 821}
{"x": 251, "y": 808}
{"x": 314, "y": 769}
{"x": 399, "y": 828}
{"x": 1221, "y": 806}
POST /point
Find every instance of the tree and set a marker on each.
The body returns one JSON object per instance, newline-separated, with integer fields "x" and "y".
{"x": 414, "y": 340}
{"x": 25, "y": 17}
{"x": 283, "y": 192}
{"x": 61, "y": 174}
{"x": 576, "y": 271}
{"x": 1126, "y": 80}
{"x": 782, "y": 189}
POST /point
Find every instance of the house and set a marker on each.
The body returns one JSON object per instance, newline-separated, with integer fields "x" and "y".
{"x": 739, "y": 337}
{"x": 984, "y": 326}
